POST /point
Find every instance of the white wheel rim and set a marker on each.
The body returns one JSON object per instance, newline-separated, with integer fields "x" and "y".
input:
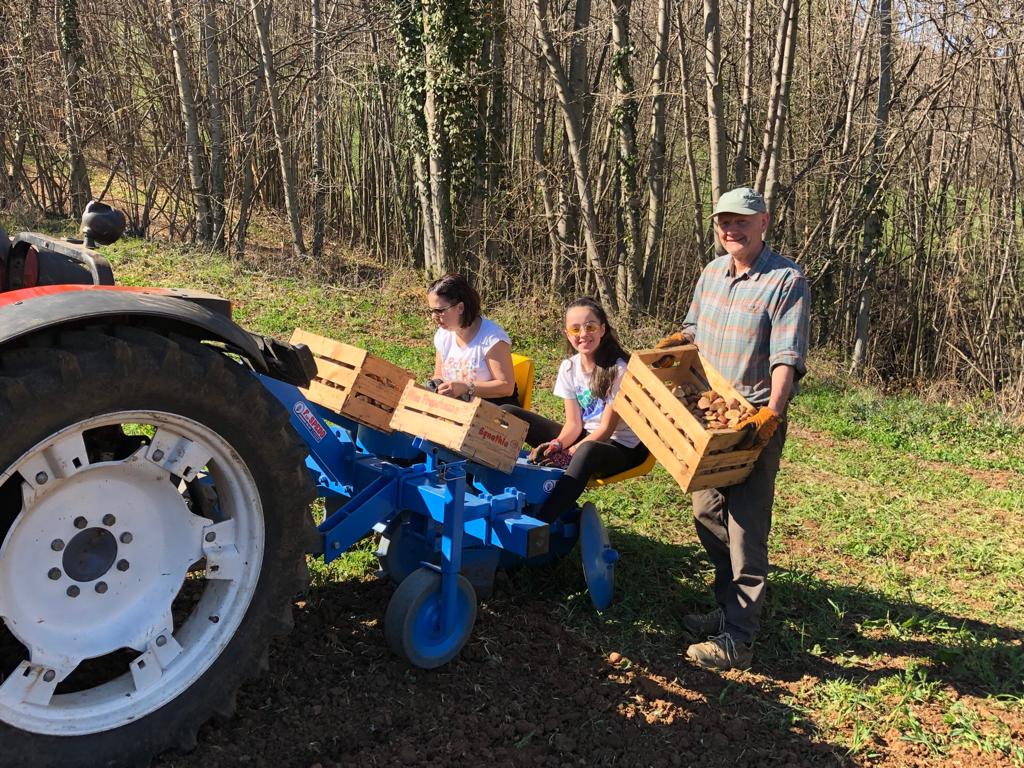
{"x": 66, "y": 598}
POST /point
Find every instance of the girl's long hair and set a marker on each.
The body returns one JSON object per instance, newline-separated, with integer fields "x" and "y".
{"x": 607, "y": 353}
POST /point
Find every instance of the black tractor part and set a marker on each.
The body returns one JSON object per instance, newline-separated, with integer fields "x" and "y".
{"x": 122, "y": 446}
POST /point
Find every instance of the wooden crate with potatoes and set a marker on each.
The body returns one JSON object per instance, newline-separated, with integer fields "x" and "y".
{"x": 477, "y": 429}
{"x": 692, "y": 436}
{"x": 352, "y": 382}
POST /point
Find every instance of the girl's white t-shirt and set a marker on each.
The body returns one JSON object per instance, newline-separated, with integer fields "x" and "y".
{"x": 573, "y": 383}
{"x": 469, "y": 363}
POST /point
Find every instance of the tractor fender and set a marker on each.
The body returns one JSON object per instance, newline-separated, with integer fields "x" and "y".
{"x": 192, "y": 313}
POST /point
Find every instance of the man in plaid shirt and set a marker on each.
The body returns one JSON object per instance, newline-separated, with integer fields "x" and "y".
{"x": 749, "y": 317}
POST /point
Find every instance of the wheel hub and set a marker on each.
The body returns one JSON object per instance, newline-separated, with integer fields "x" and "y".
{"x": 90, "y": 554}
{"x": 74, "y": 602}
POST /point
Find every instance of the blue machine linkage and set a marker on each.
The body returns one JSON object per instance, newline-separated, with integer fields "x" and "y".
{"x": 445, "y": 520}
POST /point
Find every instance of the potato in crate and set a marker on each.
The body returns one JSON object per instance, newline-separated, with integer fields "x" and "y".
{"x": 478, "y": 430}
{"x": 692, "y": 436}
{"x": 351, "y": 381}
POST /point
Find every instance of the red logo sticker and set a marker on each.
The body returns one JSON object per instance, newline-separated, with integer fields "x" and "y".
{"x": 310, "y": 421}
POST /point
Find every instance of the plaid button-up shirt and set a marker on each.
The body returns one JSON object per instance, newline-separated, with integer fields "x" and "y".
{"x": 746, "y": 325}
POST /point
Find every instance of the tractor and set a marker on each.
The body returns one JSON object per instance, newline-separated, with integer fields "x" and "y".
{"x": 157, "y": 469}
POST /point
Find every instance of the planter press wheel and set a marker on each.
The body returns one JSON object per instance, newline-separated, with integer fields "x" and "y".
{"x": 152, "y": 503}
{"x": 412, "y": 622}
{"x": 402, "y": 549}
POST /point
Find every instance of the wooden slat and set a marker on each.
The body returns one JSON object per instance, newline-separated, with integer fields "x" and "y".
{"x": 338, "y": 351}
{"x": 388, "y": 373}
{"x": 328, "y": 397}
{"x": 328, "y": 370}
{"x": 642, "y": 428}
{"x": 719, "y": 479}
{"x": 658, "y": 422}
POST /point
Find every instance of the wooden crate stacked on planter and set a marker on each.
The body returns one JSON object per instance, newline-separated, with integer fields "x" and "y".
{"x": 478, "y": 430}
{"x": 695, "y": 456}
{"x": 351, "y": 381}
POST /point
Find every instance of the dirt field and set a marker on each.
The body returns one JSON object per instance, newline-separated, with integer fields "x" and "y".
{"x": 524, "y": 692}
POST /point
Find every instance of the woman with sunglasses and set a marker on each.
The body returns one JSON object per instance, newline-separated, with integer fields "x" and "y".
{"x": 592, "y": 442}
{"x": 473, "y": 355}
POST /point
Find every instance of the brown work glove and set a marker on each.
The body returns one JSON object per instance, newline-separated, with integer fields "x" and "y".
{"x": 759, "y": 428}
{"x": 538, "y": 454}
{"x": 676, "y": 339}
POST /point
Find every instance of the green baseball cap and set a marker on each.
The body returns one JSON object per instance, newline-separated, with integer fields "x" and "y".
{"x": 742, "y": 200}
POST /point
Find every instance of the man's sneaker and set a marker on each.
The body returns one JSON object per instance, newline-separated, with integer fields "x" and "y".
{"x": 705, "y": 624}
{"x": 721, "y": 652}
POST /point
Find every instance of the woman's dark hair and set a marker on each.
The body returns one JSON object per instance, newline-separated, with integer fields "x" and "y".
{"x": 607, "y": 353}
{"x": 455, "y": 288}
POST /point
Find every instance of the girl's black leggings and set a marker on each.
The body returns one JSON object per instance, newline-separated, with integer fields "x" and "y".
{"x": 592, "y": 459}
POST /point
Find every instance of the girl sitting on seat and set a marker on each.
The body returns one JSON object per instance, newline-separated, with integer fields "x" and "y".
{"x": 593, "y": 441}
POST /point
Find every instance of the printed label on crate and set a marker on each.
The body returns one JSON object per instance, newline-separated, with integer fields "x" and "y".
{"x": 493, "y": 437}
{"x": 444, "y": 406}
{"x": 309, "y": 421}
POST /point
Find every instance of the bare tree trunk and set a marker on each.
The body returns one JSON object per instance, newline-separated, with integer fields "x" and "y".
{"x": 578, "y": 83}
{"x": 699, "y": 225}
{"x": 439, "y": 153}
{"x": 571, "y": 119}
{"x": 319, "y": 192}
{"x": 781, "y": 107}
{"x": 741, "y": 163}
{"x": 716, "y": 106}
{"x": 193, "y": 143}
{"x": 544, "y": 175}
{"x": 215, "y": 103}
{"x": 625, "y": 115}
{"x": 246, "y": 152}
{"x": 496, "y": 131}
{"x": 70, "y": 45}
{"x": 656, "y": 162}
{"x": 262, "y": 11}
{"x": 870, "y": 246}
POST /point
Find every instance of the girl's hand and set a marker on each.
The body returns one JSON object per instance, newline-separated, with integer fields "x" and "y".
{"x": 453, "y": 389}
{"x": 572, "y": 448}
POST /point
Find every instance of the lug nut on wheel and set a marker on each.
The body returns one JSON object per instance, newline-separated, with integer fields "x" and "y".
{"x": 109, "y": 520}
{"x": 122, "y": 565}
{"x": 54, "y": 574}
{"x": 81, "y": 522}
{"x": 101, "y": 587}
{"x": 41, "y": 478}
{"x": 126, "y": 538}
{"x": 73, "y": 591}
{"x": 57, "y": 545}
{"x": 158, "y": 455}
{"x": 48, "y": 676}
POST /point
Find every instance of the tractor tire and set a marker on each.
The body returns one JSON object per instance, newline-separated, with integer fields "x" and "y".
{"x": 153, "y": 507}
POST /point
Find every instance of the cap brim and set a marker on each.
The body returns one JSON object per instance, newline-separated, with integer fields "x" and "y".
{"x": 738, "y": 209}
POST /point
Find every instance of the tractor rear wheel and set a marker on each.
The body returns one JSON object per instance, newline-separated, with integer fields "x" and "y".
{"x": 153, "y": 500}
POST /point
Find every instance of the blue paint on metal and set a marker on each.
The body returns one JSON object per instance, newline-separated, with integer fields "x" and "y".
{"x": 598, "y": 558}
{"x": 472, "y": 515}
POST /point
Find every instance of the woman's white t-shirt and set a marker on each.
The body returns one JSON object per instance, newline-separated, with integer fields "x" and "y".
{"x": 469, "y": 363}
{"x": 573, "y": 383}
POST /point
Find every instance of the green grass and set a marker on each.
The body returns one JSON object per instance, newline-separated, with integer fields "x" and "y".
{"x": 896, "y": 604}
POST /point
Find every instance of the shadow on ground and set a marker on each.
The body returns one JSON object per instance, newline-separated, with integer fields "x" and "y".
{"x": 535, "y": 686}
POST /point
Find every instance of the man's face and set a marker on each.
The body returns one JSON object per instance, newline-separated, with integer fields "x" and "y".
{"x": 742, "y": 236}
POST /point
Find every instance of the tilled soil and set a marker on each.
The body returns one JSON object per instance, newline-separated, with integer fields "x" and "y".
{"x": 524, "y": 691}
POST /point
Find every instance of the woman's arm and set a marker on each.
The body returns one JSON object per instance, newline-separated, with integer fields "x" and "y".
{"x": 503, "y": 383}
{"x": 438, "y": 365}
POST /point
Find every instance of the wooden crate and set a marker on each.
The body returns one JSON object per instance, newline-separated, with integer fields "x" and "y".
{"x": 694, "y": 455}
{"x": 351, "y": 381}
{"x": 478, "y": 430}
